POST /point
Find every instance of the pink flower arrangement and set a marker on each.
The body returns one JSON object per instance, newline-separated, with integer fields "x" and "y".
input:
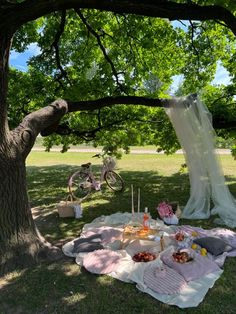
{"x": 165, "y": 210}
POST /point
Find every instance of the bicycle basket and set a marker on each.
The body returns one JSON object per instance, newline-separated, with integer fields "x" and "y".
{"x": 110, "y": 163}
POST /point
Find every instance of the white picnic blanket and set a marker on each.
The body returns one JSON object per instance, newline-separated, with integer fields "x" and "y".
{"x": 129, "y": 271}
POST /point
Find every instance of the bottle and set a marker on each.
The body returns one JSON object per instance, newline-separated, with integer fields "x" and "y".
{"x": 146, "y": 219}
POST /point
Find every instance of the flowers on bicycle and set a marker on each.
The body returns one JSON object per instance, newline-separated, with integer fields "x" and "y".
{"x": 164, "y": 210}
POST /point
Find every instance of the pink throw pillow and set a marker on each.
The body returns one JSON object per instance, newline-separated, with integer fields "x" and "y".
{"x": 101, "y": 261}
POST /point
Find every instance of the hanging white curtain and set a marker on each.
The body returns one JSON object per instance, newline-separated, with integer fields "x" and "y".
{"x": 193, "y": 126}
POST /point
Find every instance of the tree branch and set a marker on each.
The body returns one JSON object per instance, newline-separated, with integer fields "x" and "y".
{"x": 116, "y": 100}
{"x": 219, "y": 124}
{"x": 30, "y": 10}
{"x": 46, "y": 120}
{"x": 91, "y": 105}
{"x": 25, "y": 134}
{"x": 193, "y": 46}
{"x": 107, "y": 58}
{"x": 63, "y": 129}
{"x": 88, "y": 135}
{"x": 55, "y": 45}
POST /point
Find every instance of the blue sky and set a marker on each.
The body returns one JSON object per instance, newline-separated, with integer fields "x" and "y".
{"x": 19, "y": 60}
{"x": 222, "y": 76}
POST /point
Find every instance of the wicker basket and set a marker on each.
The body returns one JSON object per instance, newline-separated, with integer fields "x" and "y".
{"x": 66, "y": 208}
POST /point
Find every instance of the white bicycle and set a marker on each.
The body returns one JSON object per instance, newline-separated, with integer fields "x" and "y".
{"x": 82, "y": 182}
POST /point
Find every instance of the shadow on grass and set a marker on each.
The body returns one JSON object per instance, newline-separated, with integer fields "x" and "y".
{"x": 65, "y": 287}
{"x": 68, "y": 288}
{"x": 48, "y": 185}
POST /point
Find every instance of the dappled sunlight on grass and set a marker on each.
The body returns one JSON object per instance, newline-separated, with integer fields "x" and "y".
{"x": 73, "y": 299}
{"x": 68, "y": 288}
{"x": 65, "y": 287}
{"x": 10, "y": 277}
{"x": 154, "y": 188}
{"x": 72, "y": 271}
{"x": 105, "y": 280}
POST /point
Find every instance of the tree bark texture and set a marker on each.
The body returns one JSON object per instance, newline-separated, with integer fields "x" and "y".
{"x": 20, "y": 241}
{"x": 5, "y": 45}
{"x": 17, "y": 233}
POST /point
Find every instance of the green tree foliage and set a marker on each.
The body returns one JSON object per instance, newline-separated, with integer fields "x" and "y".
{"x": 90, "y": 54}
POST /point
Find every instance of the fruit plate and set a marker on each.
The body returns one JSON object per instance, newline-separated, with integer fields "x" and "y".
{"x": 182, "y": 257}
{"x": 144, "y": 257}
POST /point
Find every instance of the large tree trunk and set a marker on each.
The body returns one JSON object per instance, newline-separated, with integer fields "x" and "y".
{"x": 20, "y": 242}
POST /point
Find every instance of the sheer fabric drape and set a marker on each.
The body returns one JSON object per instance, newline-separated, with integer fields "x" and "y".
{"x": 192, "y": 123}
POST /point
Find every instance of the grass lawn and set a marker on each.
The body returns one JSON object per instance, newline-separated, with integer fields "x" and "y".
{"x": 64, "y": 287}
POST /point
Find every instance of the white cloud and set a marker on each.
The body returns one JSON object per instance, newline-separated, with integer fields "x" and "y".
{"x": 33, "y": 49}
{"x": 19, "y": 60}
{"x": 221, "y": 76}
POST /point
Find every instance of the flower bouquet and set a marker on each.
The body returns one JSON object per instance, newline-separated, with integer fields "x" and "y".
{"x": 166, "y": 213}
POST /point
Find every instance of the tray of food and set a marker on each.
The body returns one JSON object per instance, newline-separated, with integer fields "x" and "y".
{"x": 132, "y": 229}
{"x": 144, "y": 257}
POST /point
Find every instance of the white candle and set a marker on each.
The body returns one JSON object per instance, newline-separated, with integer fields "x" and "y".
{"x": 132, "y": 195}
{"x": 138, "y": 200}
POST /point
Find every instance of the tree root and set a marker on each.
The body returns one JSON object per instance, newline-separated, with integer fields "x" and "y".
{"x": 26, "y": 251}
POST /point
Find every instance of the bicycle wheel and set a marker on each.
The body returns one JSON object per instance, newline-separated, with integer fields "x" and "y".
{"x": 79, "y": 185}
{"x": 114, "y": 181}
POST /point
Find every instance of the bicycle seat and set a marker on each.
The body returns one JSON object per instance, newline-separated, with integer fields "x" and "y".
{"x": 86, "y": 165}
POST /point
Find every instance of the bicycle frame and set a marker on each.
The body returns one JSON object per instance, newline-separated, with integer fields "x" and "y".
{"x": 108, "y": 164}
{"x": 87, "y": 180}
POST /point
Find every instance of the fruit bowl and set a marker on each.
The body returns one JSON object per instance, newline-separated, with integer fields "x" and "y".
{"x": 144, "y": 257}
{"x": 179, "y": 236}
{"x": 182, "y": 257}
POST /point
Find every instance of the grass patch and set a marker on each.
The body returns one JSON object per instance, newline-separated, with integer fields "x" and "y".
{"x": 65, "y": 287}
